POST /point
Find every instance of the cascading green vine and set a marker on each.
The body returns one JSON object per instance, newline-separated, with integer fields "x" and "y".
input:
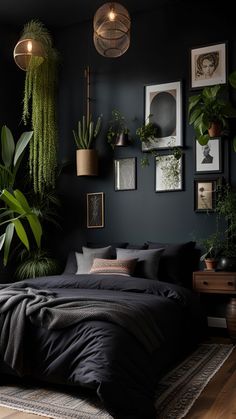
{"x": 40, "y": 105}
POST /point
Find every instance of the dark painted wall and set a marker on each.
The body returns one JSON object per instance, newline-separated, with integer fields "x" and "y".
{"x": 159, "y": 53}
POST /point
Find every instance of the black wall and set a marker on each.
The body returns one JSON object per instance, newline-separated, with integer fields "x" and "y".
{"x": 159, "y": 53}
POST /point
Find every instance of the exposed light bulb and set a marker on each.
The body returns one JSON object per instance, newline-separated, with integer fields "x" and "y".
{"x": 111, "y": 15}
{"x": 29, "y": 46}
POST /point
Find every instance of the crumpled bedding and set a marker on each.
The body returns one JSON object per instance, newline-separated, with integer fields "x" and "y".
{"x": 107, "y": 332}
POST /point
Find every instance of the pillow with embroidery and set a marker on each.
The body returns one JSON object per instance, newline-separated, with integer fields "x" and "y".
{"x": 113, "y": 266}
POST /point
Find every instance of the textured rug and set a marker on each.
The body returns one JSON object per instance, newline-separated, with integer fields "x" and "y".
{"x": 175, "y": 395}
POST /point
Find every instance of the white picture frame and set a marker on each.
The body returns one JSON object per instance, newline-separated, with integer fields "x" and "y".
{"x": 208, "y": 158}
{"x": 163, "y": 107}
{"x": 208, "y": 65}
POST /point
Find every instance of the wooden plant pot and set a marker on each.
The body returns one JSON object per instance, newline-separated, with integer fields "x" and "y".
{"x": 87, "y": 162}
{"x": 210, "y": 264}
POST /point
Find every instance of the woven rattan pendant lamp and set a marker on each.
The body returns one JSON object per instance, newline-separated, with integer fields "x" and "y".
{"x": 25, "y": 50}
{"x": 111, "y": 30}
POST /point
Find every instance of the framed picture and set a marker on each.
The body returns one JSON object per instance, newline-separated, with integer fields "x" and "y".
{"x": 204, "y": 195}
{"x": 95, "y": 210}
{"x": 208, "y": 65}
{"x": 208, "y": 158}
{"x": 125, "y": 174}
{"x": 163, "y": 107}
{"x": 168, "y": 173}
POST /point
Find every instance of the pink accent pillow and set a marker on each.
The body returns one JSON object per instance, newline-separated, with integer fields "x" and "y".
{"x": 113, "y": 266}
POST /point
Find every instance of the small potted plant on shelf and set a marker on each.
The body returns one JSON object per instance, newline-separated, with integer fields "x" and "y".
{"x": 118, "y": 132}
{"x": 212, "y": 247}
{"x": 86, "y": 156}
{"x": 209, "y": 112}
{"x": 147, "y": 133}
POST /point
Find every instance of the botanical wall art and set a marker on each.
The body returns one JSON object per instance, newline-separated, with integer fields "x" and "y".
{"x": 163, "y": 107}
{"x": 168, "y": 173}
{"x": 208, "y": 65}
{"x": 95, "y": 210}
{"x": 125, "y": 174}
{"x": 208, "y": 156}
{"x": 204, "y": 195}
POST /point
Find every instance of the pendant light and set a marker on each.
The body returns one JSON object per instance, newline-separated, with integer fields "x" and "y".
{"x": 25, "y": 49}
{"x": 111, "y": 30}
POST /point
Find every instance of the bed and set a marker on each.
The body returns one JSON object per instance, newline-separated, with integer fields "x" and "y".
{"x": 110, "y": 332}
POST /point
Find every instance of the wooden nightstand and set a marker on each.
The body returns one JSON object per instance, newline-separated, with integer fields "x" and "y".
{"x": 212, "y": 282}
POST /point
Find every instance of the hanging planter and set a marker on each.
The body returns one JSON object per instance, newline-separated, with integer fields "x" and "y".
{"x": 87, "y": 162}
{"x": 39, "y": 102}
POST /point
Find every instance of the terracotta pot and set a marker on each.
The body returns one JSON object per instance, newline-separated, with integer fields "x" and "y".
{"x": 87, "y": 162}
{"x": 210, "y": 264}
{"x": 215, "y": 129}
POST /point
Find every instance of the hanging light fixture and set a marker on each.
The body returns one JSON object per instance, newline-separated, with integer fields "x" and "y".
{"x": 25, "y": 49}
{"x": 111, "y": 30}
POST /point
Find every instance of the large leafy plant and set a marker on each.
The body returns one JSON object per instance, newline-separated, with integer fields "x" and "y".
{"x": 12, "y": 155}
{"x": 17, "y": 217}
{"x": 207, "y": 107}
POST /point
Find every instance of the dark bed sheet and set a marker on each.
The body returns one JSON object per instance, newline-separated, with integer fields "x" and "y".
{"x": 103, "y": 355}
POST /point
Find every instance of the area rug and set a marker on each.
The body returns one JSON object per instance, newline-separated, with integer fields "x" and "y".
{"x": 175, "y": 394}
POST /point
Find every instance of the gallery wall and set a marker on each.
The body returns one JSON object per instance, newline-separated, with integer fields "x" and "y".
{"x": 159, "y": 53}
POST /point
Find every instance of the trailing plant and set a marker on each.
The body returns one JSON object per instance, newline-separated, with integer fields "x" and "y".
{"x": 207, "y": 107}
{"x": 17, "y": 217}
{"x": 212, "y": 246}
{"x": 87, "y": 132}
{"x": 147, "y": 133}
{"x": 35, "y": 264}
{"x": 40, "y": 106}
{"x": 11, "y": 156}
{"x": 226, "y": 210}
{"x": 117, "y": 126}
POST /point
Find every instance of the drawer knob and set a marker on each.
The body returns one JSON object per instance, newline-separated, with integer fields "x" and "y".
{"x": 230, "y": 283}
{"x": 205, "y": 283}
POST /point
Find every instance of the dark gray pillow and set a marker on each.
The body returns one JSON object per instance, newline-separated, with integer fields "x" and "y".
{"x": 71, "y": 264}
{"x": 147, "y": 264}
{"x": 85, "y": 259}
{"x": 113, "y": 245}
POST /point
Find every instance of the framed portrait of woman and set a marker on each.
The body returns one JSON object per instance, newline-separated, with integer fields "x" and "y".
{"x": 208, "y": 65}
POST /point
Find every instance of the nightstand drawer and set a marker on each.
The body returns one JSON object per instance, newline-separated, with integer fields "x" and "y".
{"x": 214, "y": 283}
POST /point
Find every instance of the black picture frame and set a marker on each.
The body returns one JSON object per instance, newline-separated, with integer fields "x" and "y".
{"x": 166, "y": 167}
{"x": 208, "y": 158}
{"x": 208, "y": 65}
{"x": 125, "y": 174}
{"x": 205, "y": 195}
{"x": 95, "y": 210}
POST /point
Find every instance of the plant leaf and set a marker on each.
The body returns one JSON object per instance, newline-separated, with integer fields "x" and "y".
{"x": 203, "y": 139}
{"x": 35, "y": 227}
{"x": 11, "y": 202}
{"x": 2, "y": 240}
{"x": 21, "y": 233}
{"x": 21, "y": 145}
{"x": 8, "y": 146}
{"x": 8, "y": 239}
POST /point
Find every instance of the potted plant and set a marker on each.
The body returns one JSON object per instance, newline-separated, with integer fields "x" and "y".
{"x": 211, "y": 245}
{"x": 226, "y": 209}
{"x": 118, "y": 132}
{"x": 146, "y": 133}
{"x": 209, "y": 112}
{"x": 86, "y": 156}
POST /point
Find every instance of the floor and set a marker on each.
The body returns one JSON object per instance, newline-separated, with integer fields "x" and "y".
{"x": 217, "y": 401}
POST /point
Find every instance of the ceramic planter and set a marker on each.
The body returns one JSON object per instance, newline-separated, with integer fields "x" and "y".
{"x": 87, "y": 162}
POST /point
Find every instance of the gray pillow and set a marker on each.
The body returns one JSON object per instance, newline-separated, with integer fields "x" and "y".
{"x": 148, "y": 261}
{"x": 85, "y": 259}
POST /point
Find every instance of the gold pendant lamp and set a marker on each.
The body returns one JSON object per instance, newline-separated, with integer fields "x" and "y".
{"x": 111, "y": 30}
{"x": 28, "y": 52}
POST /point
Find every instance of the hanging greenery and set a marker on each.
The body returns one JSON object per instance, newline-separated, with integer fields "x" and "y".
{"x": 40, "y": 105}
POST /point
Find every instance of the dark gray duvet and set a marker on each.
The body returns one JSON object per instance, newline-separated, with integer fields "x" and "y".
{"x": 111, "y": 333}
